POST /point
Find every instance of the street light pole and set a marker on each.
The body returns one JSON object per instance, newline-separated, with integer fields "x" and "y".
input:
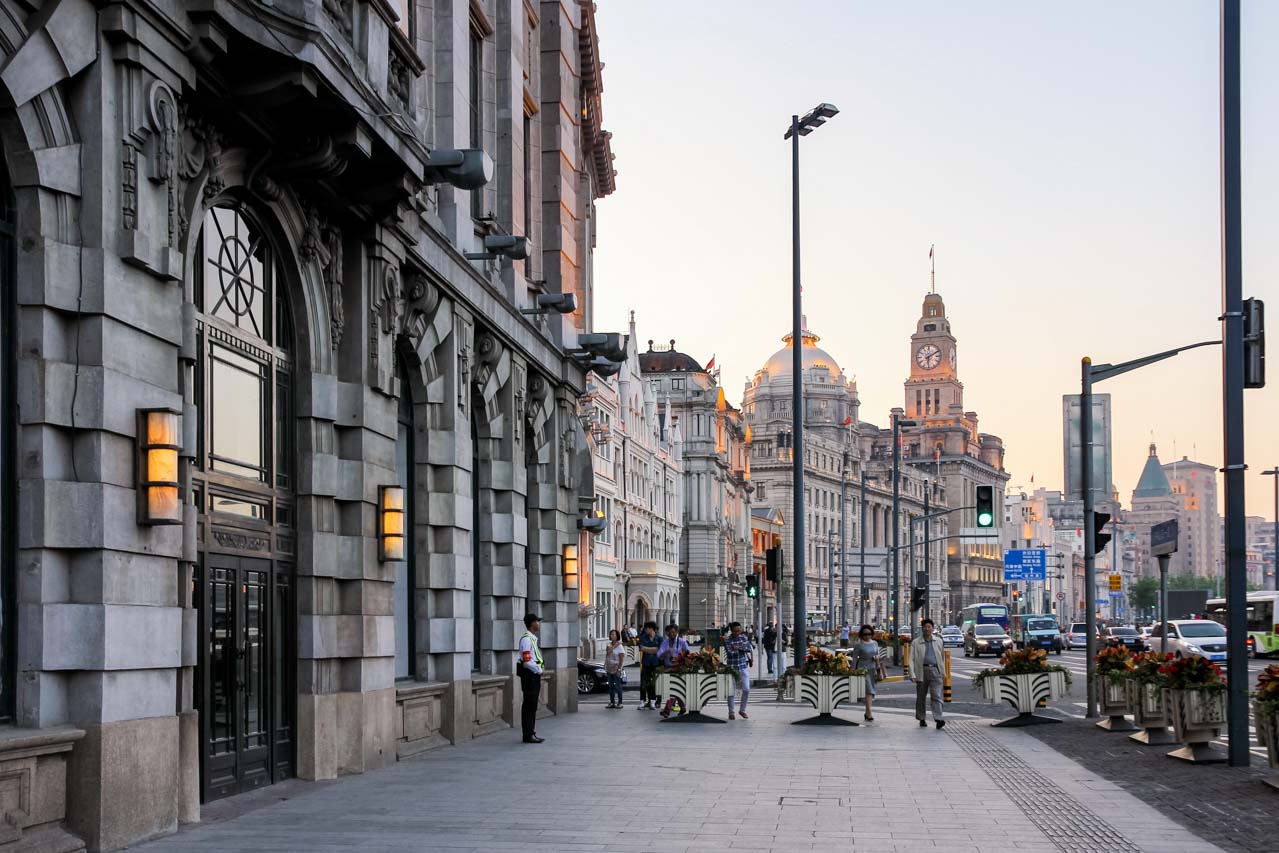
{"x": 898, "y": 423}
{"x": 861, "y": 537}
{"x": 1232, "y": 386}
{"x": 813, "y": 119}
{"x": 843, "y": 540}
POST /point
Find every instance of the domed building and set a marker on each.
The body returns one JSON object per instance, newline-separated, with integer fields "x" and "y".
{"x": 834, "y": 457}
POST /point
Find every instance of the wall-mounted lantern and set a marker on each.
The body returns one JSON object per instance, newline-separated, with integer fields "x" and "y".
{"x": 390, "y": 511}
{"x": 159, "y": 439}
{"x": 570, "y": 567}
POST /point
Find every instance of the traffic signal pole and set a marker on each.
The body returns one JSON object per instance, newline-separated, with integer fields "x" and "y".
{"x": 1090, "y": 556}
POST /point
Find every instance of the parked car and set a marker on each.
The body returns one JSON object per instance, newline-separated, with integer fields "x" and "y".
{"x": 1146, "y": 632}
{"x": 986, "y": 639}
{"x": 591, "y": 676}
{"x": 952, "y": 636}
{"x": 1077, "y": 636}
{"x": 1123, "y": 635}
{"x": 1192, "y": 638}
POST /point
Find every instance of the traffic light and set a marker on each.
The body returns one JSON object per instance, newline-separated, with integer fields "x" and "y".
{"x": 918, "y": 595}
{"x": 752, "y": 585}
{"x": 1016, "y": 594}
{"x": 773, "y": 564}
{"x": 1099, "y": 539}
{"x": 985, "y": 506}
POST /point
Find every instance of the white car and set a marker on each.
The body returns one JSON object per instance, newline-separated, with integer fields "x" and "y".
{"x": 1192, "y": 638}
{"x": 1077, "y": 636}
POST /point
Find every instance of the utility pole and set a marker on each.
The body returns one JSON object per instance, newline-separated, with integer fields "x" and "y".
{"x": 1232, "y": 386}
{"x": 843, "y": 539}
{"x": 861, "y": 537}
{"x": 1090, "y": 556}
{"x": 928, "y": 577}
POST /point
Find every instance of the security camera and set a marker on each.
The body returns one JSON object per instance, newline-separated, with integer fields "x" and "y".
{"x": 563, "y": 303}
{"x": 506, "y": 245}
{"x": 593, "y": 524}
{"x": 465, "y": 168}
{"x": 609, "y": 344}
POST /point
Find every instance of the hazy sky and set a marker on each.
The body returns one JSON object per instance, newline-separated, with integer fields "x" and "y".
{"x": 1062, "y": 156}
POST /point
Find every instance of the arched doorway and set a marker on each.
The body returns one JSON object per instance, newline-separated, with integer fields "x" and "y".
{"x": 242, "y": 485}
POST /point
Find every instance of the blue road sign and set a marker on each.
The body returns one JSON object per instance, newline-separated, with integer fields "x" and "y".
{"x": 1025, "y": 564}
{"x": 1103, "y": 601}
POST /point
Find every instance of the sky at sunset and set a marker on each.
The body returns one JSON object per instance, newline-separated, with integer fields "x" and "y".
{"x": 1063, "y": 157}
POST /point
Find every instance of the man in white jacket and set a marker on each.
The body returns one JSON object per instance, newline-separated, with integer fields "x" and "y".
{"x": 927, "y": 658}
{"x": 530, "y": 670}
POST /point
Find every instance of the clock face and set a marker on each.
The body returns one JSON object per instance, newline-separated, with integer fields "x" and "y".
{"x": 928, "y": 356}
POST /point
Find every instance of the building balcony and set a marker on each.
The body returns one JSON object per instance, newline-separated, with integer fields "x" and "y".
{"x": 642, "y": 570}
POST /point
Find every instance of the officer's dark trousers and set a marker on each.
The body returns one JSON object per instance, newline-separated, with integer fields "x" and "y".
{"x": 531, "y": 687}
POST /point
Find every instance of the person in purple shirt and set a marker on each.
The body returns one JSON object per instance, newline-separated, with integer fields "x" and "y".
{"x": 673, "y": 645}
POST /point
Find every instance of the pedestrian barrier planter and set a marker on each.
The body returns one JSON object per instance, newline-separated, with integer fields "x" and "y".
{"x": 1112, "y": 697}
{"x": 694, "y": 690}
{"x": 1268, "y": 736}
{"x": 827, "y": 692}
{"x": 1197, "y": 715}
{"x": 1024, "y": 692}
{"x": 1146, "y": 701}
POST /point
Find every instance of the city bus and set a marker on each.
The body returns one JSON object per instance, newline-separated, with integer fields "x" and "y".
{"x": 983, "y": 614}
{"x": 1263, "y": 621}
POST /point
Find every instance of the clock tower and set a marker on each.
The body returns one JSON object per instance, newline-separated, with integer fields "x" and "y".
{"x": 933, "y": 386}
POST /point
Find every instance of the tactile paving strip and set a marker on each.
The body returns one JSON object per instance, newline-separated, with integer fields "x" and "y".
{"x": 1065, "y": 820}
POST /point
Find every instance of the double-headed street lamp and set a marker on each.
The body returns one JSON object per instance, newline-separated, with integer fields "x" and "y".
{"x": 811, "y": 120}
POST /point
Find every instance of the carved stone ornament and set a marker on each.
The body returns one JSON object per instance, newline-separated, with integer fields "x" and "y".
{"x": 163, "y": 111}
{"x": 487, "y": 352}
{"x": 333, "y": 282}
{"x": 391, "y": 303}
{"x": 462, "y": 334}
{"x": 201, "y": 153}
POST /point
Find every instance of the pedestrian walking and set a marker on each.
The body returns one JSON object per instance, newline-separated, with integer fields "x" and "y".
{"x": 738, "y": 654}
{"x": 926, "y": 656}
{"x": 530, "y": 670}
{"x": 844, "y": 633}
{"x": 866, "y": 656}
{"x": 673, "y": 645}
{"x": 770, "y": 643}
{"x": 614, "y": 660}
{"x": 648, "y": 645}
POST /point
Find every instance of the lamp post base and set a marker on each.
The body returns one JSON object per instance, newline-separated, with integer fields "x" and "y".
{"x": 824, "y": 720}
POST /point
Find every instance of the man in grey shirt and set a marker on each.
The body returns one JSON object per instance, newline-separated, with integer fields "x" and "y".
{"x": 926, "y": 657}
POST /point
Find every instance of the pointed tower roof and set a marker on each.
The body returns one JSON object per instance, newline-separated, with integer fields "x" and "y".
{"x": 1153, "y": 482}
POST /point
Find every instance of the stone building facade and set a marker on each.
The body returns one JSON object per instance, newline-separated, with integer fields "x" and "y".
{"x": 715, "y": 547}
{"x": 838, "y": 449}
{"x": 289, "y": 463}
{"x": 639, "y": 492}
{"x": 947, "y": 444}
{"x": 1195, "y": 485}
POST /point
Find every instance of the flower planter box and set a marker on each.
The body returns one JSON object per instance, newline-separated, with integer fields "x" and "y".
{"x": 1197, "y": 717}
{"x": 825, "y": 693}
{"x": 1146, "y": 702}
{"x": 694, "y": 691}
{"x": 1112, "y": 698}
{"x": 1268, "y": 736}
{"x": 1024, "y": 693}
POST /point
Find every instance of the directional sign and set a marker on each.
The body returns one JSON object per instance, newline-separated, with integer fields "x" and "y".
{"x": 1163, "y": 538}
{"x": 1025, "y": 564}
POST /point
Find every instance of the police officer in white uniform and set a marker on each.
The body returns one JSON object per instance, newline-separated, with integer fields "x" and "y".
{"x": 530, "y": 670}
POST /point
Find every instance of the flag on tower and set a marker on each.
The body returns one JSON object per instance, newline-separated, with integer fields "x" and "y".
{"x": 848, "y": 420}
{"x": 930, "y": 249}
{"x": 710, "y": 365}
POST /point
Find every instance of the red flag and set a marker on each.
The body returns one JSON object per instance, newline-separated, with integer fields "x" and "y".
{"x": 930, "y": 250}
{"x": 848, "y": 420}
{"x": 710, "y": 365}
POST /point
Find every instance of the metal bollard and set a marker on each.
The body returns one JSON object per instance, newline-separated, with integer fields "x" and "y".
{"x": 906, "y": 658}
{"x": 945, "y": 685}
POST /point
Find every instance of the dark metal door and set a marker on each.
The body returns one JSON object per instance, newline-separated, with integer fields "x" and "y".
{"x": 246, "y": 708}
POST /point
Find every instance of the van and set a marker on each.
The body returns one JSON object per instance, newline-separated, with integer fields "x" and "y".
{"x": 1037, "y": 632}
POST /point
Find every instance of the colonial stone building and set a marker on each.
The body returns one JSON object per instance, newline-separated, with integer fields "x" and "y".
{"x": 715, "y": 548}
{"x": 294, "y": 440}
{"x": 639, "y": 493}
{"x": 947, "y": 444}
{"x": 838, "y": 449}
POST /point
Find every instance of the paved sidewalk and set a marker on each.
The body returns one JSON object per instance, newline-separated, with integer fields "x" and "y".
{"x": 757, "y": 785}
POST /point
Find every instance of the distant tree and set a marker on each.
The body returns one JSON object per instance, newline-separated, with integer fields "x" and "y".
{"x": 1144, "y": 593}
{"x": 1187, "y": 582}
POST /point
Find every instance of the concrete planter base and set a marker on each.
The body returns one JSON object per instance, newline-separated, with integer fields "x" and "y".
{"x": 1113, "y": 701}
{"x": 1025, "y": 693}
{"x": 1197, "y": 717}
{"x": 1268, "y": 736}
{"x": 825, "y": 693}
{"x": 1146, "y": 702}
{"x": 694, "y": 692}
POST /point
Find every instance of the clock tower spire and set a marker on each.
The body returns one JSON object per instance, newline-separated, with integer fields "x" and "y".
{"x": 933, "y": 386}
